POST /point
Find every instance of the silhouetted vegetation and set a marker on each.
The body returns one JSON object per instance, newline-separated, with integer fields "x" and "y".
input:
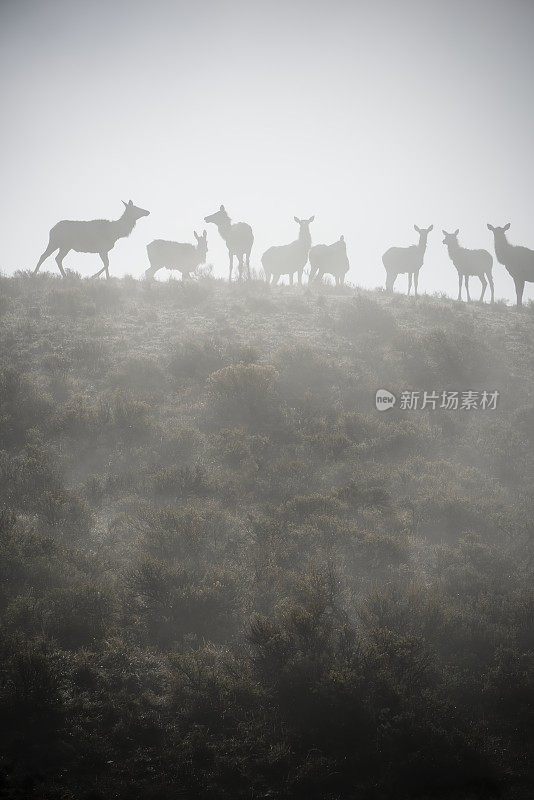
{"x": 224, "y": 574}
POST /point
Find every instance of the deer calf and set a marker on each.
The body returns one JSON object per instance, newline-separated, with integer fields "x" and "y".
{"x": 184, "y": 258}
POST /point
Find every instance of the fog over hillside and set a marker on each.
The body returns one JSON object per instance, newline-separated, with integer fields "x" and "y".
{"x": 225, "y": 573}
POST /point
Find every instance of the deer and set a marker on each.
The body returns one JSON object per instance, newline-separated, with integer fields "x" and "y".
{"x": 470, "y": 262}
{"x": 519, "y": 261}
{"x": 238, "y": 237}
{"x": 173, "y": 255}
{"x": 331, "y": 259}
{"x": 96, "y": 236}
{"x": 399, "y": 260}
{"x": 287, "y": 259}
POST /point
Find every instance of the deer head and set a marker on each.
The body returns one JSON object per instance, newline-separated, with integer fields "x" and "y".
{"x": 133, "y": 212}
{"x": 220, "y": 217}
{"x": 499, "y": 231}
{"x": 202, "y": 245}
{"x": 423, "y": 231}
{"x": 304, "y": 225}
{"x": 450, "y": 238}
{"x": 423, "y": 235}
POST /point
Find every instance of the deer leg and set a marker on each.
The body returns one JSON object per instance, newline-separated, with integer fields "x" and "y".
{"x": 390, "y": 280}
{"x": 492, "y": 288}
{"x": 484, "y": 283}
{"x": 240, "y": 266}
{"x": 48, "y": 252}
{"x": 466, "y": 281}
{"x": 519, "y": 286}
{"x": 460, "y": 279}
{"x": 105, "y": 261}
{"x": 416, "y": 281}
{"x": 231, "y": 265}
{"x": 291, "y": 279}
{"x": 59, "y": 259}
{"x": 300, "y": 277}
{"x": 409, "y": 283}
{"x": 247, "y": 257}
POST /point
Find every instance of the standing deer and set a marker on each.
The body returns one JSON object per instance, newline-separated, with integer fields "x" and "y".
{"x": 331, "y": 259}
{"x": 173, "y": 255}
{"x": 238, "y": 237}
{"x": 97, "y": 236}
{"x": 469, "y": 262}
{"x": 399, "y": 260}
{"x": 287, "y": 259}
{"x": 519, "y": 261}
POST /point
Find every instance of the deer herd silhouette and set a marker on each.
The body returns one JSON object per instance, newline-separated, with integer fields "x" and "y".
{"x": 100, "y": 236}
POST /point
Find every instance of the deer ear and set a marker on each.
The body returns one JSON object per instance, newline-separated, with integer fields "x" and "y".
{"x": 311, "y": 218}
{"x": 222, "y": 208}
{"x": 444, "y": 232}
{"x": 130, "y": 203}
{"x": 490, "y": 227}
{"x": 431, "y": 228}
{"x": 197, "y": 237}
{"x": 297, "y": 220}
{"x": 457, "y": 231}
{"x": 417, "y": 229}
{"x": 341, "y": 238}
{"x": 507, "y": 226}
{"x": 205, "y": 233}
{"x": 124, "y": 204}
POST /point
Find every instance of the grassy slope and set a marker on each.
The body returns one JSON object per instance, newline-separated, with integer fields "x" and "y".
{"x": 215, "y": 549}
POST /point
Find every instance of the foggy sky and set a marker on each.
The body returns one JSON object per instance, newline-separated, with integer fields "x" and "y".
{"x": 371, "y": 115}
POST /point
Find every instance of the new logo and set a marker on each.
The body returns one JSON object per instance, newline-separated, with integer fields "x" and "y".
{"x": 384, "y": 400}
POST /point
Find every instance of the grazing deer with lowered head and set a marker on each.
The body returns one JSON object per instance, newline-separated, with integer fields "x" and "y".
{"x": 330, "y": 259}
{"x": 96, "y": 236}
{"x": 173, "y": 255}
{"x": 287, "y": 259}
{"x": 519, "y": 261}
{"x": 399, "y": 260}
{"x": 238, "y": 237}
{"x": 470, "y": 262}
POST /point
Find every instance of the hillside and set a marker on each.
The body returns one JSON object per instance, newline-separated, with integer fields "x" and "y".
{"x": 225, "y": 574}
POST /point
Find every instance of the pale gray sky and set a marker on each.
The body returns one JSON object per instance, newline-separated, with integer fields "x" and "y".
{"x": 371, "y": 115}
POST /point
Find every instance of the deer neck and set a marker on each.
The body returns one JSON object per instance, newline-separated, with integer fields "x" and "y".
{"x": 305, "y": 240}
{"x": 502, "y": 247}
{"x": 124, "y": 226}
{"x": 224, "y": 228}
{"x": 422, "y": 244}
{"x": 453, "y": 250}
